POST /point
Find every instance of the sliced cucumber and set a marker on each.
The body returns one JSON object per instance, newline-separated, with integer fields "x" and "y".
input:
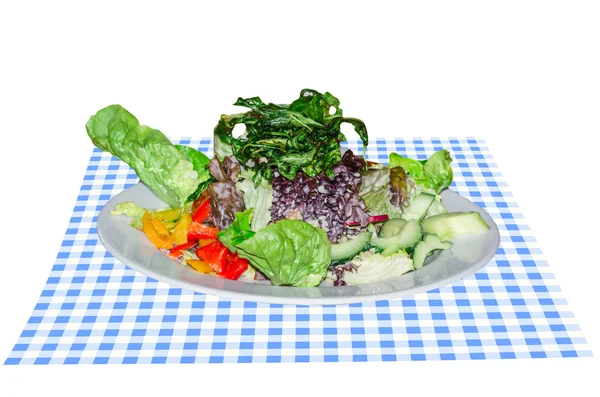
{"x": 373, "y": 229}
{"x": 408, "y": 236}
{"x": 391, "y": 227}
{"x": 430, "y": 243}
{"x": 446, "y": 226}
{"x": 436, "y": 208}
{"x": 350, "y": 248}
{"x": 418, "y": 208}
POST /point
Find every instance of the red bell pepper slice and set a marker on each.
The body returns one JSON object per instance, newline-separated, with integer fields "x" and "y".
{"x": 215, "y": 254}
{"x": 175, "y": 254}
{"x": 184, "y": 246}
{"x": 176, "y": 251}
{"x": 198, "y": 231}
{"x": 234, "y": 267}
{"x": 202, "y": 212}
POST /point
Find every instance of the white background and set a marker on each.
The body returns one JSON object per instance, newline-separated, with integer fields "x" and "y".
{"x": 523, "y": 75}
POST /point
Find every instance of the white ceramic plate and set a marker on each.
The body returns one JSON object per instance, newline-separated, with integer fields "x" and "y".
{"x": 130, "y": 246}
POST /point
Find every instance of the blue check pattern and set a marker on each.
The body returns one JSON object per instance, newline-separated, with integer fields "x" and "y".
{"x": 95, "y": 310}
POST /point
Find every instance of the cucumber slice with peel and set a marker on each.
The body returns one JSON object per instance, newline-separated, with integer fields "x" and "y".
{"x": 371, "y": 228}
{"x": 418, "y": 207}
{"x": 391, "y": 227}
{"x": 446, "y": 226}
{"x": 430, "y": 243}
{"x": 350, "y": 248}
{"x": 409, "y": 235}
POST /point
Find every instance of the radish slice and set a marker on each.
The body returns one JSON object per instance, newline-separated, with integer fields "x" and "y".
{"x": 372, "y": 219}
{"x": 378, "y": 218}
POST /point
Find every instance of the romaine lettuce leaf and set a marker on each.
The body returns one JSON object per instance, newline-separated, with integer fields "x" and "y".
{"x": 173, "y": 174}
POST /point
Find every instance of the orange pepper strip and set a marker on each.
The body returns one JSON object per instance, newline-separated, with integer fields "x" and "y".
{"x": 203, "y": 243}
{"x": 158, "y": 235}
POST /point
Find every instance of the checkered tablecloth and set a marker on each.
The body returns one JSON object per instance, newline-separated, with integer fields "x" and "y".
{"x": 94, "y": 309}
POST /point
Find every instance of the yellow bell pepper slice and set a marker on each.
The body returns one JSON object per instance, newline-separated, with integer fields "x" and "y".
{"x": 200, "y": 266}
{"x": 168, "y": 215}
{"x": 156, "y": 232}
{"x": 181, "y": 230}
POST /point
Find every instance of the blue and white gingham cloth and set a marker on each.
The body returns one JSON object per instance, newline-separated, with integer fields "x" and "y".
{"x": 95, "y": 310}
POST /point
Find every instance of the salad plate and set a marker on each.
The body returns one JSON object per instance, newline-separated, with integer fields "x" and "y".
{"x": 468, "y": 254}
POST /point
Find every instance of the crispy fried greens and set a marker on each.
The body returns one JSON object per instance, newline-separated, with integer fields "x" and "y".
{"x": 302, "y": 136}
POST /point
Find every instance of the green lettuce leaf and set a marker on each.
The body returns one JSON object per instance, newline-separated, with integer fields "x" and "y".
{"x": 174, "y": 174}
{"x": 376, "y": 267}
{"x": 434, "y": 173}
{"x": 437, "y": 171}
{"x": 200, "y": 164}
{"x": 412, "y": 167}
{"x": 389, "y": 191}
{"x": 289, "y": 252}
{"x": 238, "y": 231}
{"x": 134, "y": 211}
{"x": 375, "y": 190}
{"x": 221, "y": 148}
{"x": 128, "y": 208}
{"x": 258, "y": 196}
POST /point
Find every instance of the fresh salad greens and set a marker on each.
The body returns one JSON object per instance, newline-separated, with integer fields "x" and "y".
{"x": 174, "y": 173}
{"x": 280, "y": 204}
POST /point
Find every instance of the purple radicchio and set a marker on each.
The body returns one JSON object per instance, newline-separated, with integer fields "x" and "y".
{"x": 329, "y": 203}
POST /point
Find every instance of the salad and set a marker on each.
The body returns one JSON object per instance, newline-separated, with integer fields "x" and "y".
{"x": 283, "y": 203}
